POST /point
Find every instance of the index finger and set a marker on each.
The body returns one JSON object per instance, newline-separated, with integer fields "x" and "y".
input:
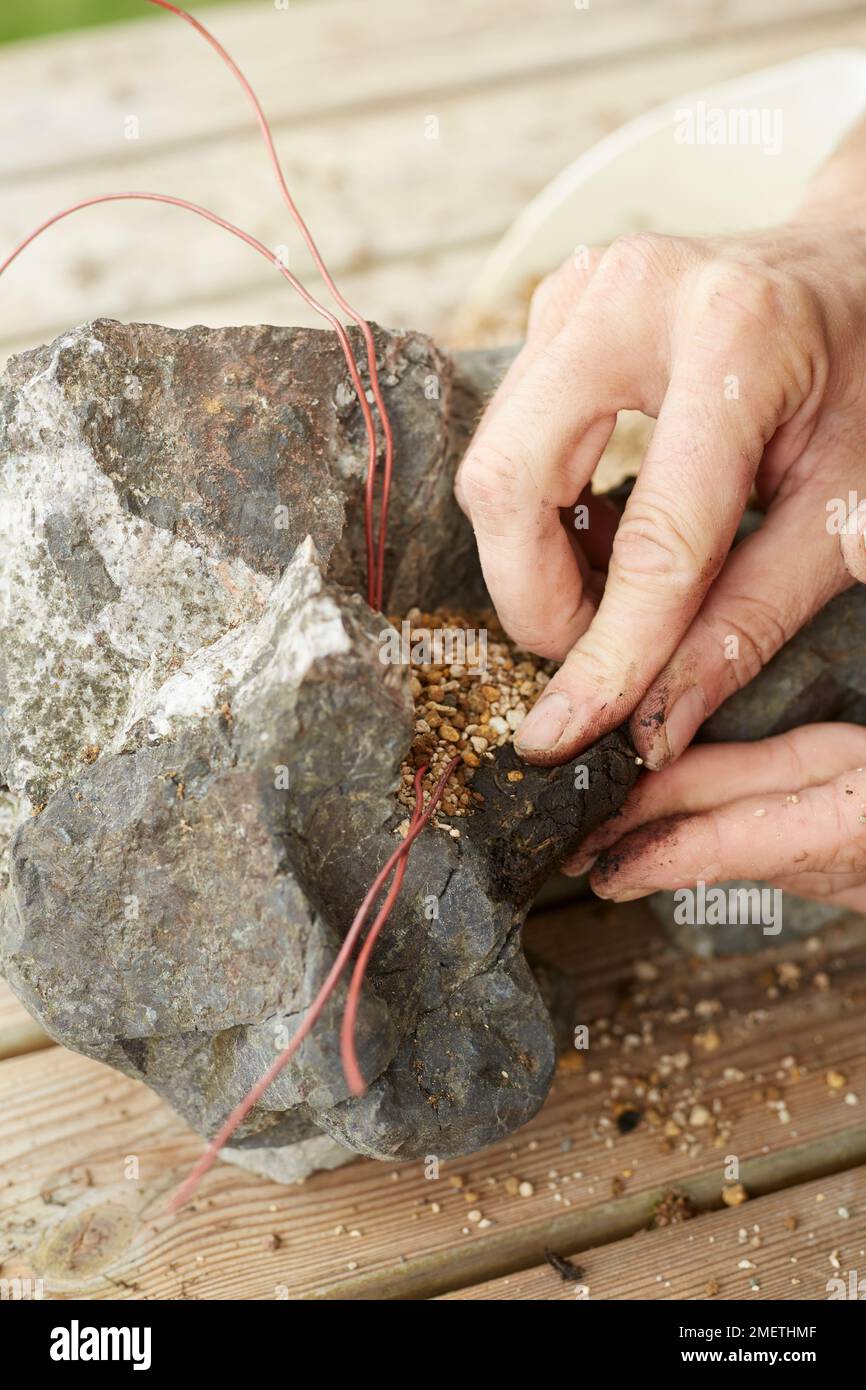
{"x": 676, "y": 531}
{"x": 529, "y": 461}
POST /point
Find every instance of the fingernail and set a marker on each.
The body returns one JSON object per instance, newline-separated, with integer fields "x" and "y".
{"x": 580, "y": 864}
{"x": 545, "y": 723}
{"x": 684, "y": 720}
{"x": 623, "y": 895}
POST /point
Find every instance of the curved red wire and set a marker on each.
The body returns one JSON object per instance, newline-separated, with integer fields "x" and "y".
{"x": 348, "y": 1051}
{"x": 375, "y": 561}
{"x": 243, "y": 1108}
{"x": 250, "y": 241}
{"x": 375, "y": 582}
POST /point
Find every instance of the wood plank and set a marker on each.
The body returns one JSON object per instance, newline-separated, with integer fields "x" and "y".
{"x": 380, "y": 193}
{"x": 422, "y": 292}
{"x": 321, "y": 61}
{"x": 786, "y": 1246}
{"x": 787, "y": 1018}
{"x": 19, "y": 1033}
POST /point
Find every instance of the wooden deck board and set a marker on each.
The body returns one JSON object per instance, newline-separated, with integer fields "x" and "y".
{"x": 786, "y": 1246}
{"x": 381, "y": 195}
{"x": 70, "y": 1126}
{"x": 330, "y": 60}
{"x": 19, "y": 1033}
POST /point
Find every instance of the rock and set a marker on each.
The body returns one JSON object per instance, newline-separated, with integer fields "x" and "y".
{"x": 155, "y": 484}
{"x": 196, "y": 711}
{"x": 293, "y": 1162}
{"x": 176, "y": 904}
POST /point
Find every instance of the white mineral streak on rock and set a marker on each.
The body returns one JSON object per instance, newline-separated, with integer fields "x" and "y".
{"x": 299, "y": 626}
{"x": 74, "y": 659}
{"x": 13, "y": 810}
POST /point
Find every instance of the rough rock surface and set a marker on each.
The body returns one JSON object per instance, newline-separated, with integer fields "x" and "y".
{"x": 195, "y": 710}
{"x": 175, "y": 905}
{"x": 155, "y": 484}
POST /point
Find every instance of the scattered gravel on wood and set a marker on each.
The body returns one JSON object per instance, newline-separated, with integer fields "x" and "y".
{"x": 734, "y": 1195}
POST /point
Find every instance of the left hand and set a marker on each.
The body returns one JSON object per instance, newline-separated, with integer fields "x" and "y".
{"x": 790, "y": 811}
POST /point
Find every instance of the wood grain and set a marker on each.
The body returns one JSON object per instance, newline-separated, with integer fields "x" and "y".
{"x": 787, "y": 1246}
{"x": 329, "y": 62}
{"x": 70, "y": 1126}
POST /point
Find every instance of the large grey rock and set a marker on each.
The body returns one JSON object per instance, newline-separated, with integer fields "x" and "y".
{"x": 195, "y": 710}
{"x": 155, "y": 484}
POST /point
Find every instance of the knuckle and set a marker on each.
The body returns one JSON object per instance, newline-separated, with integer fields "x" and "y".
{"x": 741, "y": 289}
{"x": 487, "y": 479}
{"x": 776, "y": 317}
{"x": 555, "y": 295}
{"x": 849, "y": 799}
{"x": 857, "y": 841}
{"x": 588, "y": 665}
{"x": 546, "y": 294}
{"x": 578, "y": 269}
{"x": 728, "y": 287}
{"x": 790, "y": 748}
{"x": 760, "y": 632}
{"x": 635, "y": 257}
{"x": 848, "y": 852}
{"x": 651, "y": 543}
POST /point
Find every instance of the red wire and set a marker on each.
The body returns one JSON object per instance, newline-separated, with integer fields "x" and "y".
{"x": 243, "y": 1108}
{"x": 375, "y": 583}
{"x": 375, "y": 564}
{"x": 348, "y": 1051}
{"x": 257, "y": 246}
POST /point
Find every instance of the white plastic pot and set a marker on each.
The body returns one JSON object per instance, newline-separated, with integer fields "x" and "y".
{"x": 647, "y": 176}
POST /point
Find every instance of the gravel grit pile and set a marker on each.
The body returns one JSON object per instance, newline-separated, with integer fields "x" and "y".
{"x": 463, "y": 710}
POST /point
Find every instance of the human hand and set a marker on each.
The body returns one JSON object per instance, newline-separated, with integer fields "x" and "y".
{"x": 790, "y": 811}
{"x": 750, "y": 352}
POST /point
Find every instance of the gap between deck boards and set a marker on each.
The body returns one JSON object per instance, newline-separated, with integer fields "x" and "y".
{"x": 515, "y": 1251}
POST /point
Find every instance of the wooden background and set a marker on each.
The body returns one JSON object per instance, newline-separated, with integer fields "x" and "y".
{"x": 519, "y": 88}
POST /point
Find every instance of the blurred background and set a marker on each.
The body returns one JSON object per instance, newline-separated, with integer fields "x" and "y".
{"x": 25, "y": 19}
{"x": 413, "y": 135}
